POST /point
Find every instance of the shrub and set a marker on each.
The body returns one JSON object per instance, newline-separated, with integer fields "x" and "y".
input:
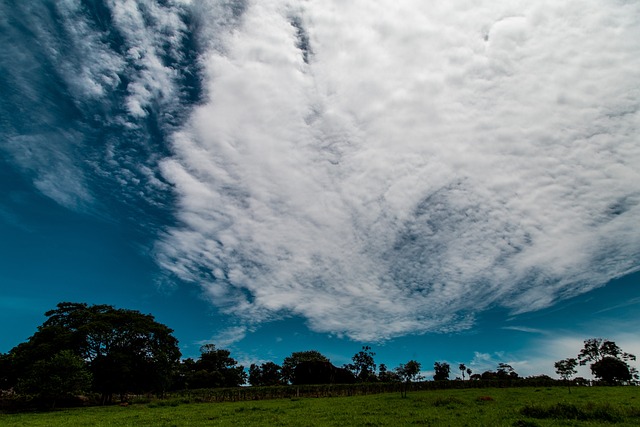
{"x": 565, "y": 411}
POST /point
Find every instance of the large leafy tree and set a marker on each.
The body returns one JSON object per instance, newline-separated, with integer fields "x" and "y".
{"x": 607, "y": 361}
{"x": 125, "y": 350}
{"x": 612, "y": 371}
{"x": 596, "y": 349}
{"x": 290, "y": 362}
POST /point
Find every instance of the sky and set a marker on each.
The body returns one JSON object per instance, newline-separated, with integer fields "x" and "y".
{"x": 442, "y": 181}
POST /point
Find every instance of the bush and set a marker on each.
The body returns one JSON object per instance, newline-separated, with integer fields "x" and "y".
{"x": 565, "y": 411}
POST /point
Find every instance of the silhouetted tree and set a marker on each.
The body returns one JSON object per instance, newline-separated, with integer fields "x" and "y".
{"x": 290, "y": 362}
{"x": 469, "y": 372}
{"x": 125, "y": 350}
{"x": 611, "y": 370}
{"x": 506, "y": 371}
{"x": 595, "y": 349}
{"x": 408, "y": 373}
{"x": 463, "y": 369}
{"x": 319, "y": 372}
{"x": 442, "y": 370}
{"x": 267, "y": 374}
{"x": 566, "y": 369}
{"x": 387, "y": 376}
{"x": 608, "y": 361}
{"x": 215, "y": 368}
{"x": 64, "y": 375}
{"x": 487, "y": 375}
{"x": 8, "y": 376}
{"x": 363, "y": 366}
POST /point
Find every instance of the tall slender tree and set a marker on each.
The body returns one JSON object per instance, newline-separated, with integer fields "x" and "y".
{"x": 566, "y": 368}
{"x": 463, "y": 369}
{"x": 408, "y": 373}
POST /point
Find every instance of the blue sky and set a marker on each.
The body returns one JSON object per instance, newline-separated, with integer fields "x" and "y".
{"x": 444, "y": 183}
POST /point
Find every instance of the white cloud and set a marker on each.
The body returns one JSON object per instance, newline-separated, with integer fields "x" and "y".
{"x": 227, "y": 336}
{"x": 151, "y": 31}
{"x": 71, "y": 70}
{"x": 429, "y": 161}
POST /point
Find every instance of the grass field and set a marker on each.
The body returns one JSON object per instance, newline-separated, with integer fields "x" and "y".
{"x": 587, "y": 406}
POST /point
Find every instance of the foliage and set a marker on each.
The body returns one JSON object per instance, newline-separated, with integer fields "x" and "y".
{"x": 267, "y": 374}
{"x": 611, "y": 370}
{"x": 463, "y": 369}
{"x": 408, "y": 373}
{"x": 570, "y": 411}
{"x": 506, "y": 371}
{"x": 608, "y": 361}
{"x": 595, "y": 349}
{"x": 442, "y": 370}
{"x": 64, "y": 375}
{"x": 566, "y": 368}
{"x": 319, "y": 372}
{"x": 385, "y": 375}
{"x": 363, "y": 366}
{"x": 125, "y": 350}
{"x": 290, "y": 362}
{"x": 214, "y": 368}
{"x": 7, "y": 371}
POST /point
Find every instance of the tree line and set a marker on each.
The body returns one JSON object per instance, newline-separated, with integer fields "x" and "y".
{"x": 102, "y": 351}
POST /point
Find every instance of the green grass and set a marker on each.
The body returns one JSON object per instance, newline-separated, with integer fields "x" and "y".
{"x": 592, "y": 406}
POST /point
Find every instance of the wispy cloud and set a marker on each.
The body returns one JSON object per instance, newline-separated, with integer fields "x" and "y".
{"x": 227, "y": 337}
{"x": 632, "y": 301}
{"x": 48, "y": 159}
{"x": 414, "y": 165}
{"x": 526, "y": 329}
{"x": 89, "y": 90}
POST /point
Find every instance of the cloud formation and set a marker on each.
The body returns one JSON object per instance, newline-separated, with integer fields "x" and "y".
{"x": 88, "y": 90}
{"x": 385, "y": 168}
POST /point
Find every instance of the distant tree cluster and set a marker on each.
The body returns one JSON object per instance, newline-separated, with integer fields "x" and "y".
{"x": 607, "y": 361}
{"x": 214, "y": 368}
{"x": 97, "y": 349}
